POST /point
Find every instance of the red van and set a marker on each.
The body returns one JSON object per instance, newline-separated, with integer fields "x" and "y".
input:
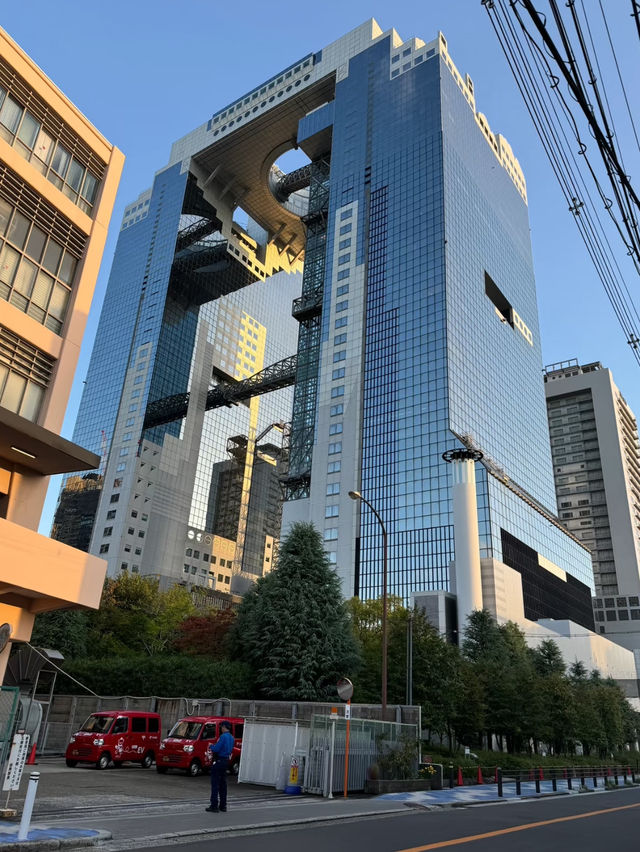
{"x": 116, "y": 735}
{"x": 187, "y": 745}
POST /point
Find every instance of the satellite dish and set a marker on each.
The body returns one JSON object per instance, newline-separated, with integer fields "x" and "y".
{"x": 5, "y": 635}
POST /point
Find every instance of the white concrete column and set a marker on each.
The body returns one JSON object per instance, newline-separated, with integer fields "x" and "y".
{"x": 468, "y": 579}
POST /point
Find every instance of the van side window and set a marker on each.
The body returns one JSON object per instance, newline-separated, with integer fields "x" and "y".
{"x": 121, "y": 726}
{"x": 154, "y": 725}
{"x": 138, "y": 724}
{"x": 209, "y": 731}
{"x": 239, "y": 729}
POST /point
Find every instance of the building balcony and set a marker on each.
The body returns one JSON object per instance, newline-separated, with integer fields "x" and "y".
{"x": 38, "y": 574}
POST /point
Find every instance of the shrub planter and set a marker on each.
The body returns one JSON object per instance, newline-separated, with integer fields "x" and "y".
{"x": 410, "y": 785}
{"x": 378, "y": 786}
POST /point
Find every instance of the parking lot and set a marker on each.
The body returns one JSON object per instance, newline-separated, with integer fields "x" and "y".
{"x": 61, "y": 789}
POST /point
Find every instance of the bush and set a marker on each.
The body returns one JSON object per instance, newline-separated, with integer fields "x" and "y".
{"x": 169, "y": 676}
{"x": 490, "y": 759}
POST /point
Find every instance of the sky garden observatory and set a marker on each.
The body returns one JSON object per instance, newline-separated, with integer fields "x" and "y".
{"x": 387, "y": 287}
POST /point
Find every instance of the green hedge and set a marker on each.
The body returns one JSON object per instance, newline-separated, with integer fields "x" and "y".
{"x": 173, "y": 675}
{"x": 490, "y": 759}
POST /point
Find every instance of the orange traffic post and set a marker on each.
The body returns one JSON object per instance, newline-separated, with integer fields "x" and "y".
{"x": 480, "y": 781}
{"x": 460, "y": 778}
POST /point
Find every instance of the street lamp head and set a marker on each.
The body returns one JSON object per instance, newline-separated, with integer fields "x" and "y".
{"x": 355, "y": 495}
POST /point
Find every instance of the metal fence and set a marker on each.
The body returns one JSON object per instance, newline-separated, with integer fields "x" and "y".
{"x": 369, "y": 743}
{"x": 9, "y": 696}
{"x": 68, "y": 712}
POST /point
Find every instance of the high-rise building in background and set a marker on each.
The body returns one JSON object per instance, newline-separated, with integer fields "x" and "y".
{"x": 419, "y": 334}
{"x": 58, "y": 180}
{"x": 418, "y": 331}
{"x": 596, "y": 461}
{"x": 76, "y": 510}
{"x": 196, "y": 305}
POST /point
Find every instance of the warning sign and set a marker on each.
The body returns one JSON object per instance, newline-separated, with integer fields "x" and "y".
{"x": 16, "y": 762}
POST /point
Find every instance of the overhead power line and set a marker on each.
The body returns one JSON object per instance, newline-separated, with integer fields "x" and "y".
{"x": 559, "y": 76}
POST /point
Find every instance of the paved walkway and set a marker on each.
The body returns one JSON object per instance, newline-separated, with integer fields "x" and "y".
{"x": 477, "y": 794}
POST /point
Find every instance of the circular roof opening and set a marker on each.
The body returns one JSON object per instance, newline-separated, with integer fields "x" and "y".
{"x": 289, "y": 181}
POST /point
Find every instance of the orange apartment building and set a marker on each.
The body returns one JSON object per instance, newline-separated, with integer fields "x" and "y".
{"x": 58, "y": 181}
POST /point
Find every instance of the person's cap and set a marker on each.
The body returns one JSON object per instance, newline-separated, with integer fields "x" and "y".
{"x": 225, "y": 724}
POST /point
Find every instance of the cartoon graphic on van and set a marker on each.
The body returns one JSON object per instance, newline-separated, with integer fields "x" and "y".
{"x": 115, "y": 736}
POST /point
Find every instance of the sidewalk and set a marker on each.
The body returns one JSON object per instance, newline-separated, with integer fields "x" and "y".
{"x": 174, "y": 821}
{"x": 135, "y": 830}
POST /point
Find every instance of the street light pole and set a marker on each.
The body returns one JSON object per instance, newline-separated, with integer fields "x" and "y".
{"x": 356, "y": 495}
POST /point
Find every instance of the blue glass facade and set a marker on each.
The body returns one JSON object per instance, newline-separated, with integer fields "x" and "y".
{"x": 132, "y": 316}
{"x": 418, "y": 319}
{"x": 448, "y": 343}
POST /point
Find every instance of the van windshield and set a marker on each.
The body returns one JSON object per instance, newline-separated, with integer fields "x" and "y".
{"x": 185, "y": 730}
{"x": 97, "y": 724}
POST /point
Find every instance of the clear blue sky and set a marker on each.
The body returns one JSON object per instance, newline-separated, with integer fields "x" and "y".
{"x": 146, "y": 72}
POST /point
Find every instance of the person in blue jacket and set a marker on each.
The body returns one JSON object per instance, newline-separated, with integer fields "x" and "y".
{"x": 221, "y": 749}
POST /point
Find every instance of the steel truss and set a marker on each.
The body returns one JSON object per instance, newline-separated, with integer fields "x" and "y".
{"x": 282, "y": 374}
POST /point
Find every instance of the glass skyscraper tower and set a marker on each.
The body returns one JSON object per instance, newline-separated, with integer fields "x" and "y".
{"x": 417, "y": 326}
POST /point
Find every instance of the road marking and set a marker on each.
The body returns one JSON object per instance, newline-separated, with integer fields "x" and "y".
{"x": 456, "y": 841}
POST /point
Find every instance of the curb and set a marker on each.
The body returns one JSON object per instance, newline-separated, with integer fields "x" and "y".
{"x": 55, "y": 843}
{"x": 203, "y": 833}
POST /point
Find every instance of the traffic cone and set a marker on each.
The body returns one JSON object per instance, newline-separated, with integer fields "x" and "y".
{"x": 480, "y": 781}
{"x": 460, "y": 778}
{"x": 32, "y": 757}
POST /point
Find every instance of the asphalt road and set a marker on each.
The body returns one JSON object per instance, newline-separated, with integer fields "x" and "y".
{"x": 589, "y": 823}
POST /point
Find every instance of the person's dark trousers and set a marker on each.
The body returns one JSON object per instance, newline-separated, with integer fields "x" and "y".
{"x": 219, "y": 784}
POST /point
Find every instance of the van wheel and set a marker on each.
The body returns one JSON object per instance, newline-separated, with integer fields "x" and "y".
{"x": 103, "y": 761}
{"x": 234, "y": 768}
{"x": 161, "y": 769}
{"x": 195, "y": 768}
{"x": 71, "y": 763}
{"x": 147, "y": 760}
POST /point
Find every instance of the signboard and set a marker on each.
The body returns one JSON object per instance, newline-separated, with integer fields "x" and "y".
{"x": 16, "y": 762}
{"x": 347, "y": 711}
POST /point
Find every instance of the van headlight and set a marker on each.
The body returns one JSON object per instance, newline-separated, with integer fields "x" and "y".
{"x": 72, "y": 740}
{"x": 99, "y": 741}
{"x": 163, "y": 744}
{"x": 187, "y": 748}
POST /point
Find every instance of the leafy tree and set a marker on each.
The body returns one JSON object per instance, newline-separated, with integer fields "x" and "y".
{"x": 293, "y": 626}
{"x": 514, "y": 703}
{"x": 63, "y": 630}
{"x": 482, "y": 640}
{"x": 366, "y": 621}
{"x": 205, "y": 635}
{"x": 134, "y": 617}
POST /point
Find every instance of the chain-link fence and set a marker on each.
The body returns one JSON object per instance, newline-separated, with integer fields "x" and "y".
{"x": 376, "y": 749}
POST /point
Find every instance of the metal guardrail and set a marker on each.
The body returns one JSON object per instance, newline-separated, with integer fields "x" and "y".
{"x": 554, "y": 778}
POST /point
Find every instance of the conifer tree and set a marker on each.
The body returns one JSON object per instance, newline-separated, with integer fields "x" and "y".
{"x": 293, "y": 627}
